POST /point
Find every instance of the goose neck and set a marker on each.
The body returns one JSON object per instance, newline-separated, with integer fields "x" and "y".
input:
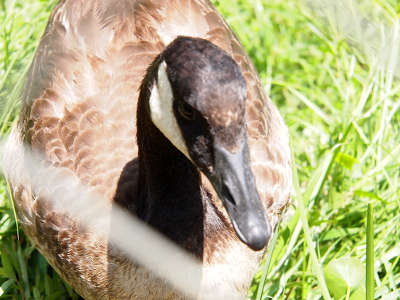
{"x": 169, "y": 191}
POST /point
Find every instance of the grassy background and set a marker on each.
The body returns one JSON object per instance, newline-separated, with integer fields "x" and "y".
{"x": 338, "y": 92}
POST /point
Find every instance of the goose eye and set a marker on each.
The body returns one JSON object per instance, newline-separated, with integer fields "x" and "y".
{"x": 186, "y": 111}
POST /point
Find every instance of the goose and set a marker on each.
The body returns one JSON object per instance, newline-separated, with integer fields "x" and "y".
{"x": 155, "y": 107}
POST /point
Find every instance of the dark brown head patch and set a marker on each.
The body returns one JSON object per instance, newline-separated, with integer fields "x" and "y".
{"x": 209, "y": 81}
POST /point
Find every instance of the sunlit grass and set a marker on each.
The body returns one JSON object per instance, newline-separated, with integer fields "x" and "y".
{"x": 342, "y": 108}
{"x": 341, "y": 105}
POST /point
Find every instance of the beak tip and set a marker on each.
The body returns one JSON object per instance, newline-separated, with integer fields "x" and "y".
{"x": 257, "y": 238}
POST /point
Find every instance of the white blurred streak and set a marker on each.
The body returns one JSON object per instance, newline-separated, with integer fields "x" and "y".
{"x": 367, "y": 26}
{"x": 157, "y": 253}
{"x": 2, "y": 149}
{"x": 136, "y": 240}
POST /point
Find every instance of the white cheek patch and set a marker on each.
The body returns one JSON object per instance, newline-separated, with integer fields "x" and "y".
{"x": 161, "y": 112}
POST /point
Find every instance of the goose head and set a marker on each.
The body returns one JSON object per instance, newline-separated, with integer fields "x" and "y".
{"x": 197, "y": 99}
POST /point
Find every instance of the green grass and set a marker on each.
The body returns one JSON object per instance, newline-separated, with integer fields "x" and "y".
{"x": 340, "y": 100}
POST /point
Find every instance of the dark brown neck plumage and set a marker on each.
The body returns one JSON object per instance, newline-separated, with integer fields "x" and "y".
{"x": 169, "y": 194}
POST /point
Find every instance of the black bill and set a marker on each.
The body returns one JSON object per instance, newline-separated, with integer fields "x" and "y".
{"x": 234, "y": 182}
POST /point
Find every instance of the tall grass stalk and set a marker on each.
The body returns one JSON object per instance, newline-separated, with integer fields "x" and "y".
{"x": 370, "y": 283}
{"x": 310, "y": 244}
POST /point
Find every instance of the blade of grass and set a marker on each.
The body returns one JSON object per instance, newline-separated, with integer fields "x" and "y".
{"x": 303, "y": 217}
{"x": 24, "y": 272}
{"x": 370, "y": 284}
{"x": 266, "y": 266}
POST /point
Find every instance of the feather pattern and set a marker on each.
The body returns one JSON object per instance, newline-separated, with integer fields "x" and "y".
{"x": 79, "y": 113}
